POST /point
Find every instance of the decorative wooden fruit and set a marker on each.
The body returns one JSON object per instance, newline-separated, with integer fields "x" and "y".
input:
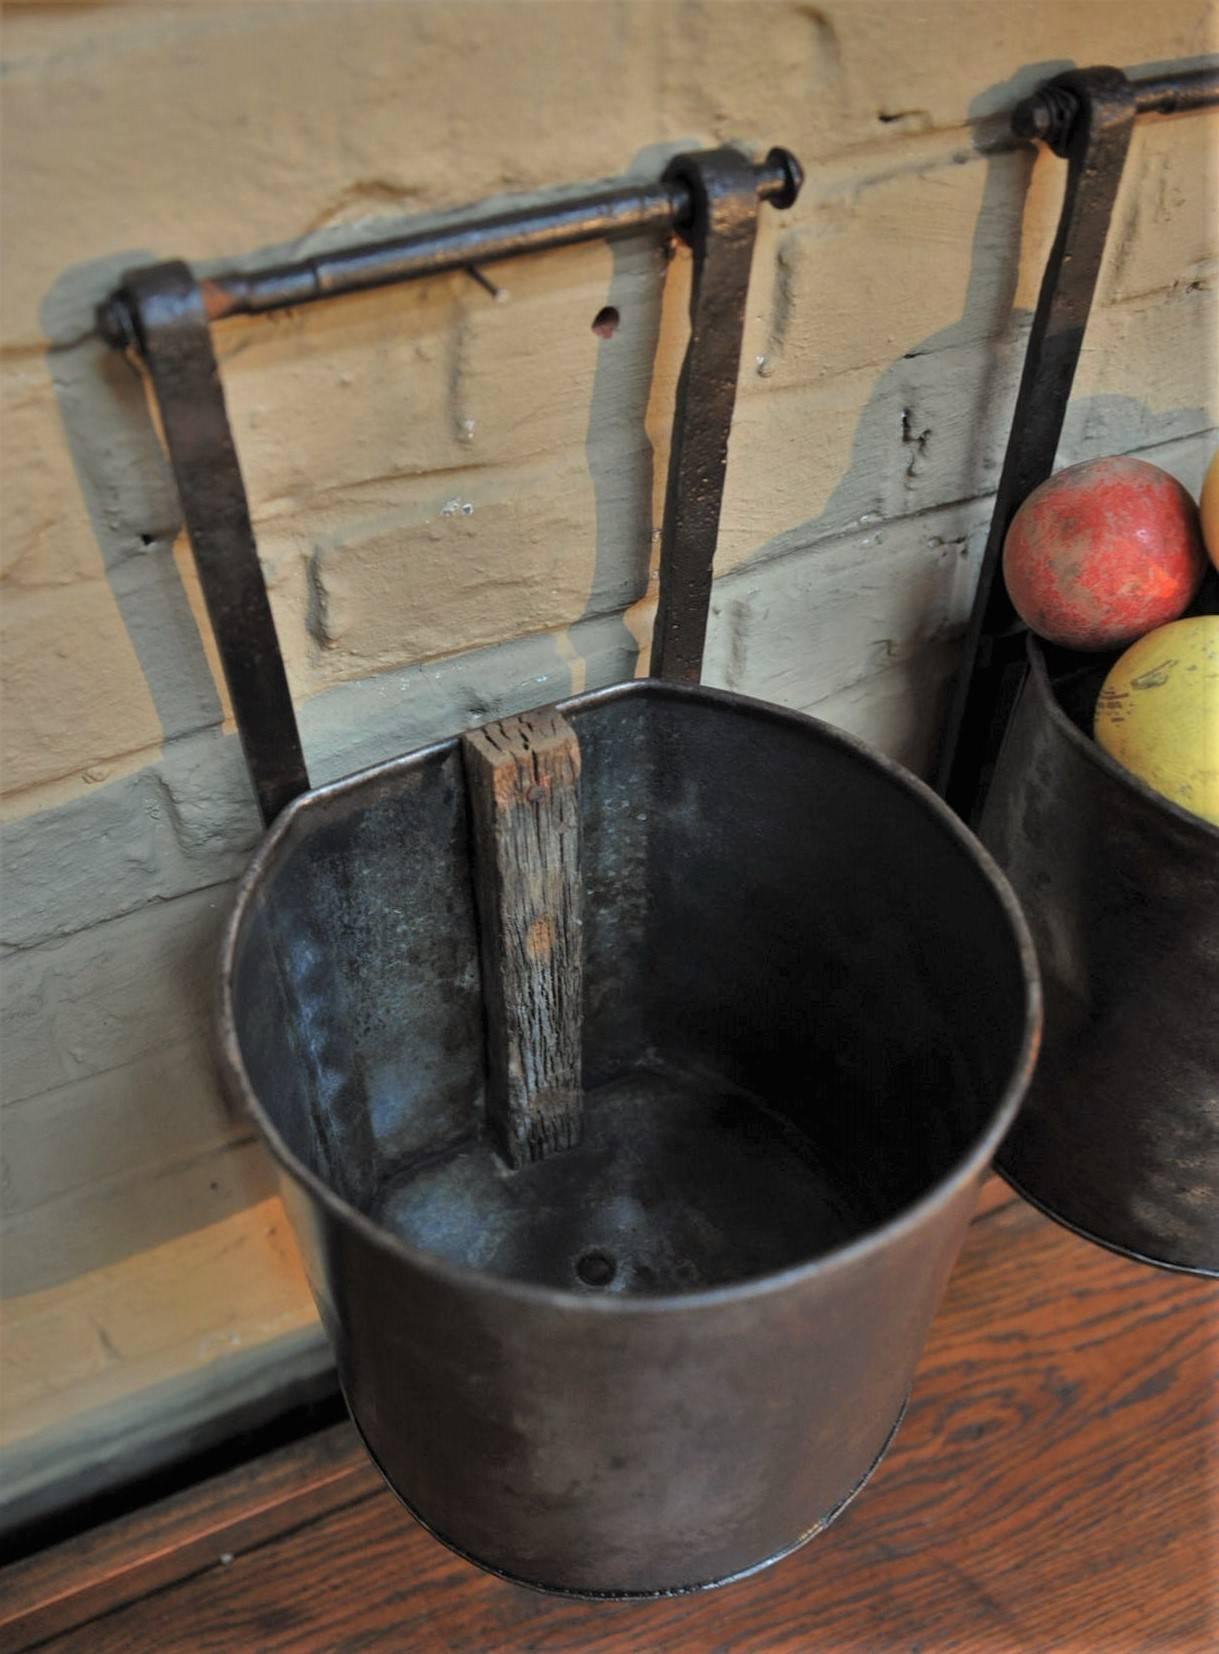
{"x": 1158, "y": 713}
{"x": 1103, "y": 552}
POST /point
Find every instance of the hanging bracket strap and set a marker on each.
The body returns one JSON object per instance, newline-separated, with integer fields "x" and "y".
{"x": 1088, "y": 117}
{"x": 172, "y": 330}
{"x": 721, "y": 232}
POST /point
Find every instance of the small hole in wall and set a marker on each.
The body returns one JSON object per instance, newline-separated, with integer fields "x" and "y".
{"x": 605, "y": 322}
{"x": 146, "y": 539}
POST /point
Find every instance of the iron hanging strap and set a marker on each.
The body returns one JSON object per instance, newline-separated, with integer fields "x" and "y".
{"x": 724, "y": 199}
{"x": 1088, "y": 117}
{"x": 174, "y": 338}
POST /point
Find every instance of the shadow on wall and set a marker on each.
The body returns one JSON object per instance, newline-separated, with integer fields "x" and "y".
{"x": 621, "y": 460}
{"x": 896, "y": 439}
{"x": 129, "y": 492}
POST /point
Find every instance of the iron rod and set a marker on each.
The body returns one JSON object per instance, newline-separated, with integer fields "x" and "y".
{"x": 1177, "y": 94}
{"x": 625, "y": 210}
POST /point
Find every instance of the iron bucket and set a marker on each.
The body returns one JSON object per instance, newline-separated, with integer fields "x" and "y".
{"x": 807, "y": 1008}
{"x": 1119, "y": 1138}
{"x": 665, "y": 1358}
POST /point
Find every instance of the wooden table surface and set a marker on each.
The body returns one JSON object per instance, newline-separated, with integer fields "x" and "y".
{"x": 1055, "y": 1486}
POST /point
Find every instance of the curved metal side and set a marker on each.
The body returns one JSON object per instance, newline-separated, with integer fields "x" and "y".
{"x": 806, "y": 1028}
{"x": 694, "y": 1589}
{"x": 1119, "y": 1136}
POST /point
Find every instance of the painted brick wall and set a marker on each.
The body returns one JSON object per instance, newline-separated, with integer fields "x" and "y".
{"x": 457, "y": 502}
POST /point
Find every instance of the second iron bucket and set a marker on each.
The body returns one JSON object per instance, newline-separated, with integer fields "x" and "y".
{"x": 665, "y": 1357}
{"x": 1119, "y": 1138}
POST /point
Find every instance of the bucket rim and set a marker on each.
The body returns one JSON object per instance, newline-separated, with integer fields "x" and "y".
{"x": 1095, "y": 754}
{"x": 972, "y": 1164}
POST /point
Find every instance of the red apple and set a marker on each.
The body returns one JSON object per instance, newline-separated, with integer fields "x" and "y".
{"x": 1102, "y": 553}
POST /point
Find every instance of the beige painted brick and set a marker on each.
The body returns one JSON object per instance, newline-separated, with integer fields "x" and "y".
{"x": 534, "y": 376}
{"x": 1165, "y": 230}
{"x": 390, "y": 583}
{"x": 439, "y": 377}
{"x": 337, "y": 396}
{"x": 940, "y": 63}
{"x": 803, "y": 627}
{"x": 899, "y": 712}
{"x": 881, "y": 267}
{"x": 183, "y": 822}
{"x": 144, "y": 1120}
{"x": 534, "y": 379}
{"x": 464, "y": 560}
{"x": 47, "y": 538}
{"x": 90, "y": 517}
{"x": 909, "y": 264}
{"x": 94, "y": 1002}
{"x": 254, "y": 125}
{"x": 1144, "y": 367}
{"x": 811, "y": 461}
{"x": 71, "y": 689}
{"x": 855, "y": 74}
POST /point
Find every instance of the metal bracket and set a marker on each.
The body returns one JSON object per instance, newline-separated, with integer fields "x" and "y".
{"x": 1088, "y": 117}
{"x": 171, "y": 327}
{"x": 722, "y": 236}
{"x": 164, "y": 314}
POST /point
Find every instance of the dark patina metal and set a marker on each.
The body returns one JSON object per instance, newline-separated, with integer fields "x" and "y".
{"x": 627, "y": 209}
{"x": 1095, "y": 142}
{"x": 664, "y": 1357}
{"x": 722, "y": 236}
{"x": 1120, "y": 1136}
{"x": 171, "y": 327}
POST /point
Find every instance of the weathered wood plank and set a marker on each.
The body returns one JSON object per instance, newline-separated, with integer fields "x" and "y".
{"x": 1055, "y": 1373}
{"x": 523, "y": 780}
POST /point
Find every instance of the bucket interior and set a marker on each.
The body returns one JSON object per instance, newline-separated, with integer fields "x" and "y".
{"x": 804, "y": 1002}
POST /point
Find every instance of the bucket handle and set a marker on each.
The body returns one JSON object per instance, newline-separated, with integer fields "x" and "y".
{"x": 163, "y": 314}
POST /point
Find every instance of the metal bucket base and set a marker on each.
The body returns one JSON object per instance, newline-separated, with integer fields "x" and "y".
{"x": 1099, "y": 1240}
{"x": 680, "y": 1183}
{"x": 643, "y": 1596}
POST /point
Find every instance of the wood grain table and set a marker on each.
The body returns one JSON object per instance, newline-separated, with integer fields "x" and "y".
{"x": 1055, "y": 1486}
